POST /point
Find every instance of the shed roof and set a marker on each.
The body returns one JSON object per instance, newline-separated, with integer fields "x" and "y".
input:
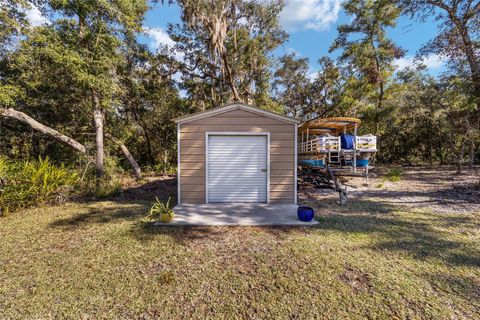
{"x": 230, "y": 107}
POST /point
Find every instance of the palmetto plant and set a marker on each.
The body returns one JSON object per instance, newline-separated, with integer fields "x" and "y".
{"x": 28, "y": 183}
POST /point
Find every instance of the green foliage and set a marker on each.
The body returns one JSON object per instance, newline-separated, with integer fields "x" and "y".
{"x": 24, "y": 184}
{"x": 158, "y": 208}
{"x": 108, "y": 189}
{"x": 393, "y": 175}
{"x": 165, "y": 168}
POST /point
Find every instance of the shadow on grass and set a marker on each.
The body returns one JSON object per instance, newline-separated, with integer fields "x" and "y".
{"x": 103, "y": 215}
{"x": 464, "y": 286}
{"x": 184, "y": 235}
{"x": 413, "y": 234}
{"x": 161, "y": 188}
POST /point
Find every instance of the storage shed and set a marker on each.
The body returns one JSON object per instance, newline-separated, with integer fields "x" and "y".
{"x": 237, "y": 153}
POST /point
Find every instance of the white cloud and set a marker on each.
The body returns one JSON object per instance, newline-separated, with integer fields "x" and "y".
{"x": 161, "y": 38}
{"x": 35, "y": 17}
{"x": 310, "y": 14}
{"x": 433, "y": 61}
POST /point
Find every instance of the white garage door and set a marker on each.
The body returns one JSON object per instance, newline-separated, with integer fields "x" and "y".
{"x": 237, "y": 168}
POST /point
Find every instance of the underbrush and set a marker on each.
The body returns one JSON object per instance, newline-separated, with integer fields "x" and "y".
{"x": 29, "y": 183}
{"x": 161, "y": 168}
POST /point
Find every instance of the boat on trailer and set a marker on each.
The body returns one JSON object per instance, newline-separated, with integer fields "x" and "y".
{"x": 331, "y": 147}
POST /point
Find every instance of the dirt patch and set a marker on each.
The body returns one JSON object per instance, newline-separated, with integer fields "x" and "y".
{"x": 438, "y": 189}
{"x": 357, "y": 280}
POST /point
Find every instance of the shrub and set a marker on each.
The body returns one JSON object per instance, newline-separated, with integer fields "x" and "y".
{"x": 107, "y": 189}
{"x": 393, "y": 175}
{"x": 165, "y": 168}
{"x": 28, "y": 183}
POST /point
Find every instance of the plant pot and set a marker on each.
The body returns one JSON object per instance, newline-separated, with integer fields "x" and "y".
{"x": 167, "y": 217}
{"x": 305, "y": 213}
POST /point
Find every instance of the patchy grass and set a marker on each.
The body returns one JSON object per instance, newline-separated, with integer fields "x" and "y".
{"x": 365, "y": 260}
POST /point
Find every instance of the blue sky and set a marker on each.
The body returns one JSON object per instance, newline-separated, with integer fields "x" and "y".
{"x": 312, "y": 26}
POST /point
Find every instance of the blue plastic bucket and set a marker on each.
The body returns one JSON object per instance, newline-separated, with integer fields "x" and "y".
{"x": 305, "y": 213}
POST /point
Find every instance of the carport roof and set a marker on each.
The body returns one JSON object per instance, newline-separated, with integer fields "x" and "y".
{"x": 230, "y": 107}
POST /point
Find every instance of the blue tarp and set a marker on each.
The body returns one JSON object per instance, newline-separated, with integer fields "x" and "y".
{"x": 315, "y": 163}
{"x": 346, "y": 141}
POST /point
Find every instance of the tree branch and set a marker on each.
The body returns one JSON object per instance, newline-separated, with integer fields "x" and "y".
{"x": 20, "y": 116}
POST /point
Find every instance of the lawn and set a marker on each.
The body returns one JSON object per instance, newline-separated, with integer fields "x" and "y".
{"x": 365, "y": 260}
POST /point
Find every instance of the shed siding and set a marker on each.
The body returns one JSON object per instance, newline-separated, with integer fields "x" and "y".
{"x": 192, "y": 152}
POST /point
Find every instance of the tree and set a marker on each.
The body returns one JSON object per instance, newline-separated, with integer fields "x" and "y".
{"x": 227, "y": 48}
{"x": 306, "y": 97}
{"x": 92, "y": 30}
{"x": 78, "y": 55}
{"x": 367, "y": 54}
{"x": 328, "y": 90}
{"x": 13, "y": 26}
{"x": 292, "y": 86}
{"x": 458, "y": 39}
{"x": 66, "y": 72}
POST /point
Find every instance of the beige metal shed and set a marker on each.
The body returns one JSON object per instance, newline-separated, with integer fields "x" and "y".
{"x": 237, "y": 153}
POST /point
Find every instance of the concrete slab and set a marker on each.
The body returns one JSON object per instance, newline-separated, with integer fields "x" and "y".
{"x": 245, "y": 214}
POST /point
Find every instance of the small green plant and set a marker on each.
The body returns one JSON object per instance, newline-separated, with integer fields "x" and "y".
{"x": 393, "y": 175}
{"x": 161, "y": 211}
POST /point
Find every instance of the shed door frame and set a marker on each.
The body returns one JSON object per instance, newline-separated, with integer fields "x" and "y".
{"x": 267, "y": 134}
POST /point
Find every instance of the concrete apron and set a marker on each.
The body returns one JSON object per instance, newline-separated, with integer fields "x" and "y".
{"x": 244, "y": 214}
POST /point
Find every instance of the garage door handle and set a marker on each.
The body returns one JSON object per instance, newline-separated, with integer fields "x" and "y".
{"x": 264, "y": 170}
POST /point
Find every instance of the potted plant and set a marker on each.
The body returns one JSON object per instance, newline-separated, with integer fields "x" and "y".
{"x": 161, "y": 211}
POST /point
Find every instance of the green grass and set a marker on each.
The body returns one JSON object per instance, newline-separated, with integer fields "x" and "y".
{"x": 364, "y": 260}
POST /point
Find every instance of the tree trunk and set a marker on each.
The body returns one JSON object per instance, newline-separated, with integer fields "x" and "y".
{"x": 136, "y": 168}
{"x": 98, "y": 119}
{"x": 18, "y": 115}
{"x": 230, "y": 79}
{"x": 460, "y": 159}
{"x": 133, "y": 163}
